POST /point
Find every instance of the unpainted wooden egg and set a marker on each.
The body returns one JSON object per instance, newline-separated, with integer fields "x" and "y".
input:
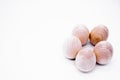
{"x": 103, "y": 51}
{"x": 85, "y": 60}
{"x": 99, "y": 33}
{"x": 71, "y": 47}
{"x": 82, "y": 33}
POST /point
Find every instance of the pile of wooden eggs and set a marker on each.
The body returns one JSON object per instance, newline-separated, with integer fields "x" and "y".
{"x": 87, "y": 57}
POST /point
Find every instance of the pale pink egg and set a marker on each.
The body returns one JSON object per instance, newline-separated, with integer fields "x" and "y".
{"x": 85, "y": 60}
{"x": 71, "y": 47}
{"x": 104, "y": 52}
{"x": 82, "y": 33}
{"x": 99, "y": 33}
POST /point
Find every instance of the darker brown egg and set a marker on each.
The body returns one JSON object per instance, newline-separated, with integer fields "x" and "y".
{"x": 99, "y": 33}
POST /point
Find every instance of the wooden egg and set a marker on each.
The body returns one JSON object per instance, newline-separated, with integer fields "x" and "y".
{"x": 103, "y": 51}
{"x": 82, "y": 33}
{"x": 99, "y": 33}
{"x": 85, "y": 60}
{"x": 71, "y": 47}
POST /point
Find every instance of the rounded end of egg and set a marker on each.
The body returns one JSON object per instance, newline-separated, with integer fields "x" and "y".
{"x": 82, "y": 32}
{"x": 104, "y": 52}
{"x": 71, "y": 47}
{"x": 85, "y": 60}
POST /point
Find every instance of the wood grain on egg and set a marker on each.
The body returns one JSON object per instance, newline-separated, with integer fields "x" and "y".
{"x": 99, "y": 33}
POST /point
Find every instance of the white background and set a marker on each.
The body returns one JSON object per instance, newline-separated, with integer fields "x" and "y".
{"x": 32, "y": 33}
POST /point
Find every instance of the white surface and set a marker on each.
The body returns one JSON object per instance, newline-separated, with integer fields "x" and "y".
{"x": 32, "y": 33}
